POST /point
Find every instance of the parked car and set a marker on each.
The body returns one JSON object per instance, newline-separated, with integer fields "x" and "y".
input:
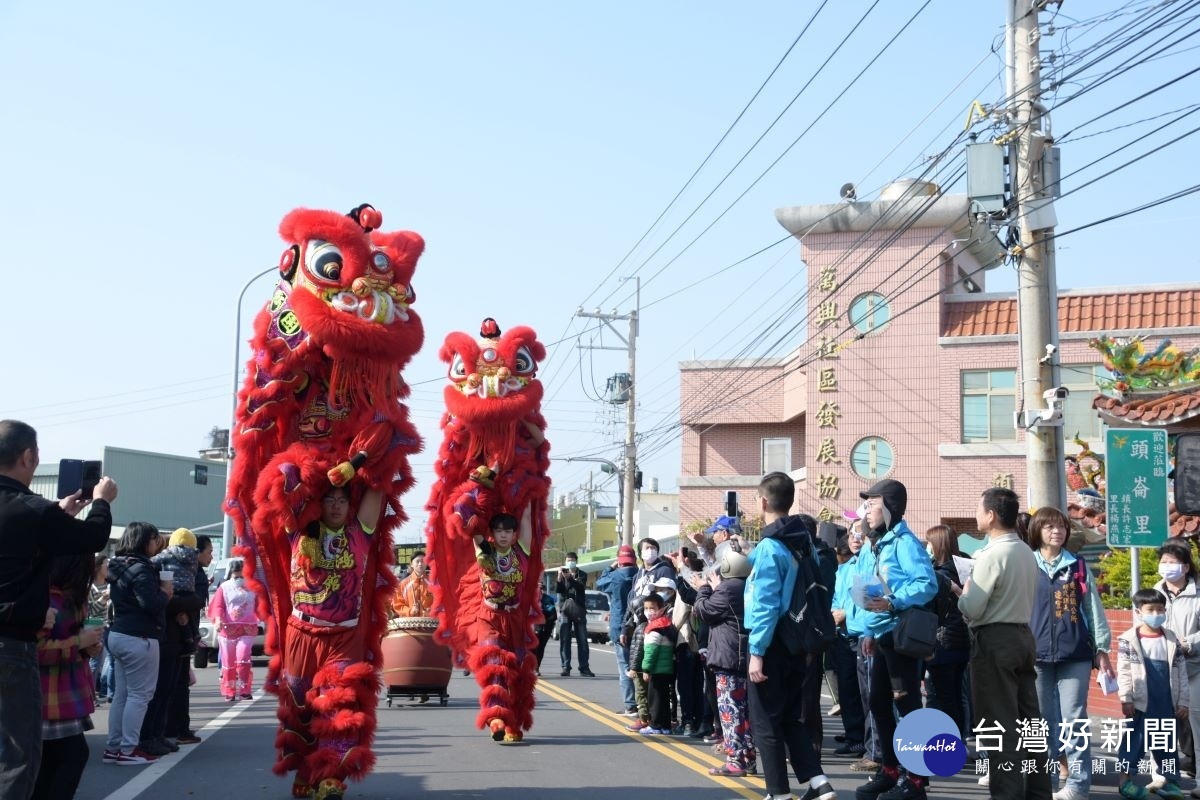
{"x": 206, "y": 648}
{"x": 597, "y": 616}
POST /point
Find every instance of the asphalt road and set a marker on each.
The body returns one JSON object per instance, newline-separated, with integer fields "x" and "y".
{"x": 577, "y": 748}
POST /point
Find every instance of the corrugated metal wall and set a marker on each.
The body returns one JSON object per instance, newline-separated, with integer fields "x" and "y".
{"x": 163, "y": 489}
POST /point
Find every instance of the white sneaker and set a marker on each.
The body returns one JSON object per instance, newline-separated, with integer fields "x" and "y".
{"x": 983, "y": 781}
{"x": 1068, "y": 793}
{"x": 1156, "y": 783}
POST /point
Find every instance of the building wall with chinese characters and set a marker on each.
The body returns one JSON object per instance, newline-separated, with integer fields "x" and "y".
{"x": 891, "y": 400}
{"x": 879, "y": 382}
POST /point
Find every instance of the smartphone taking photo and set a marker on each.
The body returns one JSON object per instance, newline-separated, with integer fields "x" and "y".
{"x": 77, "y": 475}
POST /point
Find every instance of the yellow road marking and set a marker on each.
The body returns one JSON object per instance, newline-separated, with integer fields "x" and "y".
{"x": 676, "y": 751}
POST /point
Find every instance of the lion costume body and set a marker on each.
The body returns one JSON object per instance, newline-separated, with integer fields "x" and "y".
{"x": 321, "y": 407}
{"x": 493, "y": 459}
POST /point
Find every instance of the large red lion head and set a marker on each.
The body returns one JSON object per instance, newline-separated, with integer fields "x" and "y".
{"x": 494, "y": 378}
{"x": 350, "y": 284}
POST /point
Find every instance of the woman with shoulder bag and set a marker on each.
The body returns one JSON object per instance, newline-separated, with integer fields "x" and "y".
{"x": 948, "y": 667}
{"x": 1072, "y": 637}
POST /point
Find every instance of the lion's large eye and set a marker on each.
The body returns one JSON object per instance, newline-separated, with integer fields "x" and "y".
{"x": 323, "y": 261}
{"x": 458, "y": 369}
{"x": 524, "y": 362}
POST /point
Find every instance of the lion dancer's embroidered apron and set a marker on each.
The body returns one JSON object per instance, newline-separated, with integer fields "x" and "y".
{"x": 328, "y": 691}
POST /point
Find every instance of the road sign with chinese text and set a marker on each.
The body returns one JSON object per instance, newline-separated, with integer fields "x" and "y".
{"x": 1137, "y": 487}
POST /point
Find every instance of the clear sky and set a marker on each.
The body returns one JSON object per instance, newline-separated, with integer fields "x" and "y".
{"x": 149, "y": 150}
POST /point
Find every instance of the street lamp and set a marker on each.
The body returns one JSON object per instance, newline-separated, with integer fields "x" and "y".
{"x": 227, "y": 531}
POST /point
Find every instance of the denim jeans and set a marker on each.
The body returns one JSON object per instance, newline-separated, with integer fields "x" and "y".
{"x": 1062, "y": 690}
{"x": 136, "y": 671}
{"x": 1128, "y": 757}
{"x": 20, "y": 718}
{"x": 624, "y": 680}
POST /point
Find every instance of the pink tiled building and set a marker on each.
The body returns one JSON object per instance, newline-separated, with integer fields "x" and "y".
{"x": 908, "y": 368}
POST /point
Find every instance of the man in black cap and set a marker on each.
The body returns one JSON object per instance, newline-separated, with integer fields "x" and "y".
{"x": 906, "y": 580}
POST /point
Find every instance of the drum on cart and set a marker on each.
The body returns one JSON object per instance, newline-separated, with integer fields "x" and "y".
{"x": 414, "y": 665}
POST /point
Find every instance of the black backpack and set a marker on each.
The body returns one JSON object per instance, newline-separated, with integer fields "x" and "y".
{"x": 807, "y": 626}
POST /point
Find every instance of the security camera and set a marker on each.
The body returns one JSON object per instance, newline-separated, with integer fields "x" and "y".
{"x": 1056, "y": 395}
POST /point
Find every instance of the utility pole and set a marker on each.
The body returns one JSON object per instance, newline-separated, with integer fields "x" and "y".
{"x": 588, "y": 512}
{"x": 1037, "y": 290}
{"x": 629, "y": 459}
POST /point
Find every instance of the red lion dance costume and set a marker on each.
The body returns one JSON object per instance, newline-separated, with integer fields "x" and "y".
{"x": 321, "y": 407}
{"x": 493, "y": 460}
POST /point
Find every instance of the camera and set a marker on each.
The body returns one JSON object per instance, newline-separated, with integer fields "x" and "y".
{"x": 1056, "y": 395}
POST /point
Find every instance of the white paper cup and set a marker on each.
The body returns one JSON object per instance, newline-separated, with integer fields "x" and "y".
{"x": 166, "y": 575}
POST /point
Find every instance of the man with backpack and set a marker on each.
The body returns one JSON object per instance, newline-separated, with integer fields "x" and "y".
{"x": 777, "y": 675}
{"x": 898, "y": 568}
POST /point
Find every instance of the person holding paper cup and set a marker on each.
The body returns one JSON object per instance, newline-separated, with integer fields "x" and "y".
{"x": 1072, "y": 638}
{"x": 139, "y": 598}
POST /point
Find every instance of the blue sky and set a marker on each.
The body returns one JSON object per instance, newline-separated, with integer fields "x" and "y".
{"x": 150, "y": 150}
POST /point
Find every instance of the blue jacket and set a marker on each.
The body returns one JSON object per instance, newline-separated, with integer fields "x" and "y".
{"x": 906, "y": 570}
{"x": 841, "y": 596}
{"x": 616, "y": 582}
{"x": 772, "y": 578}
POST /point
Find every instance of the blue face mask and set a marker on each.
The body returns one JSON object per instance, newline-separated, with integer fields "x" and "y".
{"x": 1154, "y": 620}
{"x": 570, "y": 565}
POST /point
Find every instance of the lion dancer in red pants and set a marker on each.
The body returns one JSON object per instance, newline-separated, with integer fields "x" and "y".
{"x": 499, "y": 650}
{"x": 491, "y": 482}
{"x": 322, "y": 441}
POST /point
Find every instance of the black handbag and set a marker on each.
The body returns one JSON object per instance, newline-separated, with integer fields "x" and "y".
{"x": 915, "y": 634}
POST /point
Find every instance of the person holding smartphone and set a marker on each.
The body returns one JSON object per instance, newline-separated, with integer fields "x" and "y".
{"x": 33, "y": 531}
{"x": 571, "y": 588}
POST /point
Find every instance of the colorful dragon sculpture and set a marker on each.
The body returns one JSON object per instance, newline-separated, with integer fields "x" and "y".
{"x": 1134, "y": 369}
{"x": 493, "y": 459}
{"x": 321, "y": 408}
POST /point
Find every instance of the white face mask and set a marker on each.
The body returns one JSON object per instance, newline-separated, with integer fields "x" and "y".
{"x": 570, "y": 564}
{"x": 929, "y": 549}
{"x": 1171, "y": 572}
{"x": 649, "y": 555}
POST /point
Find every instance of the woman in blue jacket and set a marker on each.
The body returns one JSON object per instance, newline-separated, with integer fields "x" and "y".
{"x": 139, "y": 600}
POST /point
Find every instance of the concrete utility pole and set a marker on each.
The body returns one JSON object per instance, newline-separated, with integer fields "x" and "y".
{"x": 629, "y": 472}
{"x": 588, "y": 511}
{"x": 1037, "y": 290}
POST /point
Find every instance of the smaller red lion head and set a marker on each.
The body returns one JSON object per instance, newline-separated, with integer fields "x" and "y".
{"x": 494, "y": 378}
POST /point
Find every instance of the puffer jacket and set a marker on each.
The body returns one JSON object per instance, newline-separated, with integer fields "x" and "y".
{"x": 722, "y": 610}
{"x": 139, "y": 603}
{"x": 1131, "y": 670}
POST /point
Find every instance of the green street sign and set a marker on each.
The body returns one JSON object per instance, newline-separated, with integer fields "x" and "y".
{"x": 1137, "y": 487}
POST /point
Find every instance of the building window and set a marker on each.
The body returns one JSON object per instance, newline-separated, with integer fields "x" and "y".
{"x": 871, "y": 458}
{"x": 776, "y": 455}
{"x": 1079, "y": 417}
{"x": 869, "y": 312}
{"x": 989, "y": 399}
